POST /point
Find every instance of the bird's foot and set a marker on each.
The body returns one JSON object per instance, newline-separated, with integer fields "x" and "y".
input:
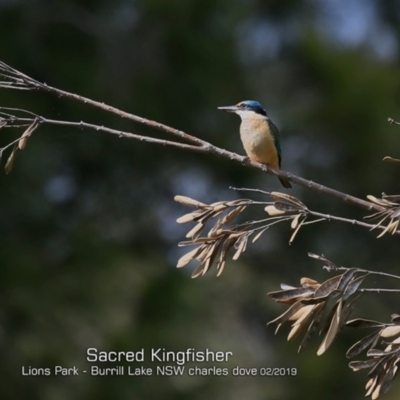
{"x": 245, "y": 159}
{"x": 265, "y": 168}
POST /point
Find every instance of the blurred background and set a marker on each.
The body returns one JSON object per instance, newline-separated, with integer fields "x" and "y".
{"x": 88, "y": 233}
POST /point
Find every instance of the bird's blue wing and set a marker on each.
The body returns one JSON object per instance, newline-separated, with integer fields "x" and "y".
{"x": 275, "y": 135}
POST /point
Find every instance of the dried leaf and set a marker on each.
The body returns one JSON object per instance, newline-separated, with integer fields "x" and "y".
{"x": 286, "y": 296}
{"x": 287, "y": 208}
{"x": 395, "y": 198}
{"x": 332, "y": 331}
{"x": 205, "y": 253}
{"x": 195, "y": 231}
{"x": 241, "y": 247}
{"x": 320, "y": 299}
{"x": 367, "y": 341}
{"x": 353, "y": 286}
{"x": 318, "y": 311}
{"x": 198, "y": 271}
{"x": 376, "y": 353}
{"x": 347, "y": 277}
{"x": 379, "y": 224}
{"x": 232, "y": 233}
{"x": 10, "y": 161}
{"x": 232, "y": 215}
{"x": 302, "y": 317}
{"x": 396, "y": 341}
{"x": 194, "y": 241}
{"x": 187, "y": 201}
{"x": 390, "y": 331}
{"x": 376, "y": 215}
{"x": 28, "y": 132}
{"x": 390, "y": 375}
{"x": 379, "y": 366}
{"x": 237, "y": 202}
{"x": 221, "y": 266}
{"x": 328, "y": 319}
{"x": 193, "y": 216}
{"x": 256, "y": 237}
{"x": 295, "y": 221}
{"x": 328, "y": 286}
{"x": 215, "y": 230}
{"x": 284, "y": 286}
{"x": 188, "y": 257}
{"x": 358, "y": 365}
{"x": 308, "y": 282}
{"x": 395, "y": 224}
{"x": 381, "y": 202}
{"x": 347, "y": 310}
{"x": 212, "y": 214}
{"x": 207, "y": 258}
{"x": 211, "y": 256}
{"x": 390, "y": 159}
{"x": 272, "y": 211}
{"x": 364, "y": 323}
{"x": 316, "y": 256}
{"x": 296, "y": 230}
{"x": 373, "y": 388}
{"x": 387, "y": 229}
{"x": 288, "y": 314}
{"x": 219, "y": 206}
{"x": 222, "y": 258}
{"x": 395, "y": 214}
{"x": 206, "y": 266}
{"x": 395, "y": 318}
{"x": 283, "y": 196}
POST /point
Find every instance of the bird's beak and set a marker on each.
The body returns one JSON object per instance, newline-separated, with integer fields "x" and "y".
{"x": 229, "y": 108}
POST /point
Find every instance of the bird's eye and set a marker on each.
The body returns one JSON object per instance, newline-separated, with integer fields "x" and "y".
{"x": 242, "y": 105}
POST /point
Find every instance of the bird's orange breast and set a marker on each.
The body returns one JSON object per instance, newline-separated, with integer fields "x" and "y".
{"x": 258, "y": 142}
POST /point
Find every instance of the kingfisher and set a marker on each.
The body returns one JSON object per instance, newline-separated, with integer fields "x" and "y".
{"x": 260, "y": 137}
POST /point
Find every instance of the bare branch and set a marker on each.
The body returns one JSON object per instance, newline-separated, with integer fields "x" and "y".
{"x": 20, "y": 80}
{"x": 14, "y": 79}
{"x": 333, "y": 267}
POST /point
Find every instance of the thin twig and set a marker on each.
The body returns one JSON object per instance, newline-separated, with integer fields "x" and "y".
{"x": 392, "y": 121}
{"x": 379, "y": 290}
{"x": 329, "y": 268}
{"x": 328, "y": 217}
{"x": 322, "y": 217}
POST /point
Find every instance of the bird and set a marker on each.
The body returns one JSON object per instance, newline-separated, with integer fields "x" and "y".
{"x": 260, "y": 137}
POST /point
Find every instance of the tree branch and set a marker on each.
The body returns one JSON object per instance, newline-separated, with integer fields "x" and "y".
{"x": 14, "y": 79}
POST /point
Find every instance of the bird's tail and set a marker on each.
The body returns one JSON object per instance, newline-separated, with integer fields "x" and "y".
{"x": 285, "y": 183}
